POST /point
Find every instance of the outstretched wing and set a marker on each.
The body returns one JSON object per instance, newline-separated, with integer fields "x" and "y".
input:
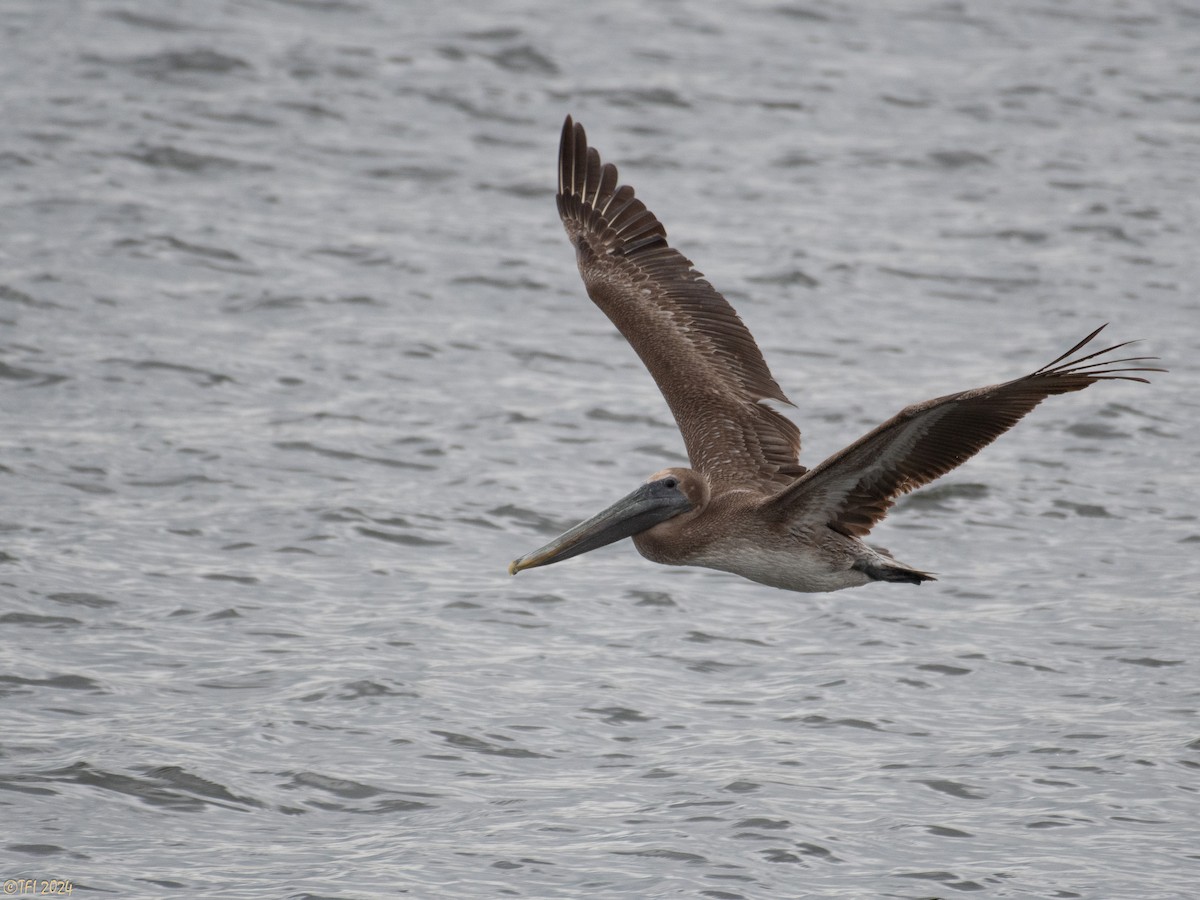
{"x": 854, "y": 488}
{"x": 702, "y": 357}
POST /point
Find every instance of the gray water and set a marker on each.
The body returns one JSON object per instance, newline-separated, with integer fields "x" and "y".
{"x": 294, "y": 359}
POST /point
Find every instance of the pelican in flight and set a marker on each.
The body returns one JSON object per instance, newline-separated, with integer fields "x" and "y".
{"x": 746, "y": 505}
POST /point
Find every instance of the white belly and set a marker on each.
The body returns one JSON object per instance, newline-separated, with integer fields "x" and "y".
{"x": 803, "y": 567}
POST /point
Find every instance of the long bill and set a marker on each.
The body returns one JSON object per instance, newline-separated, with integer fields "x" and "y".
{"x": 632, "y": 514}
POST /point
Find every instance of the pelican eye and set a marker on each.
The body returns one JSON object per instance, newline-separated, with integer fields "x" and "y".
{"x": 671, "y": 483}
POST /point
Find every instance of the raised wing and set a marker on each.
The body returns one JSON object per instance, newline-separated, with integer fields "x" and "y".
{"x": 854, "y": 488}
{"x": 702, "y": 357}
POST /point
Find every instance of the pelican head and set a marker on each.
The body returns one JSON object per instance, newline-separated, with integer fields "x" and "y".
{"x": 667, "y": 494}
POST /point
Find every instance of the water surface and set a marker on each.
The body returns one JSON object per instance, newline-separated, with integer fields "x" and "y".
{"x": 294, "y": 359}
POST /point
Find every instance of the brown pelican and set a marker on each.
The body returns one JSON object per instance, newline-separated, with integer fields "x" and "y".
{"x": 747, "y": 506}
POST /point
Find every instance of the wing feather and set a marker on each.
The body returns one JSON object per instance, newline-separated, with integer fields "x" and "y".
{"x": 698, "y": 351}
{"x": 854, "y": 488}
